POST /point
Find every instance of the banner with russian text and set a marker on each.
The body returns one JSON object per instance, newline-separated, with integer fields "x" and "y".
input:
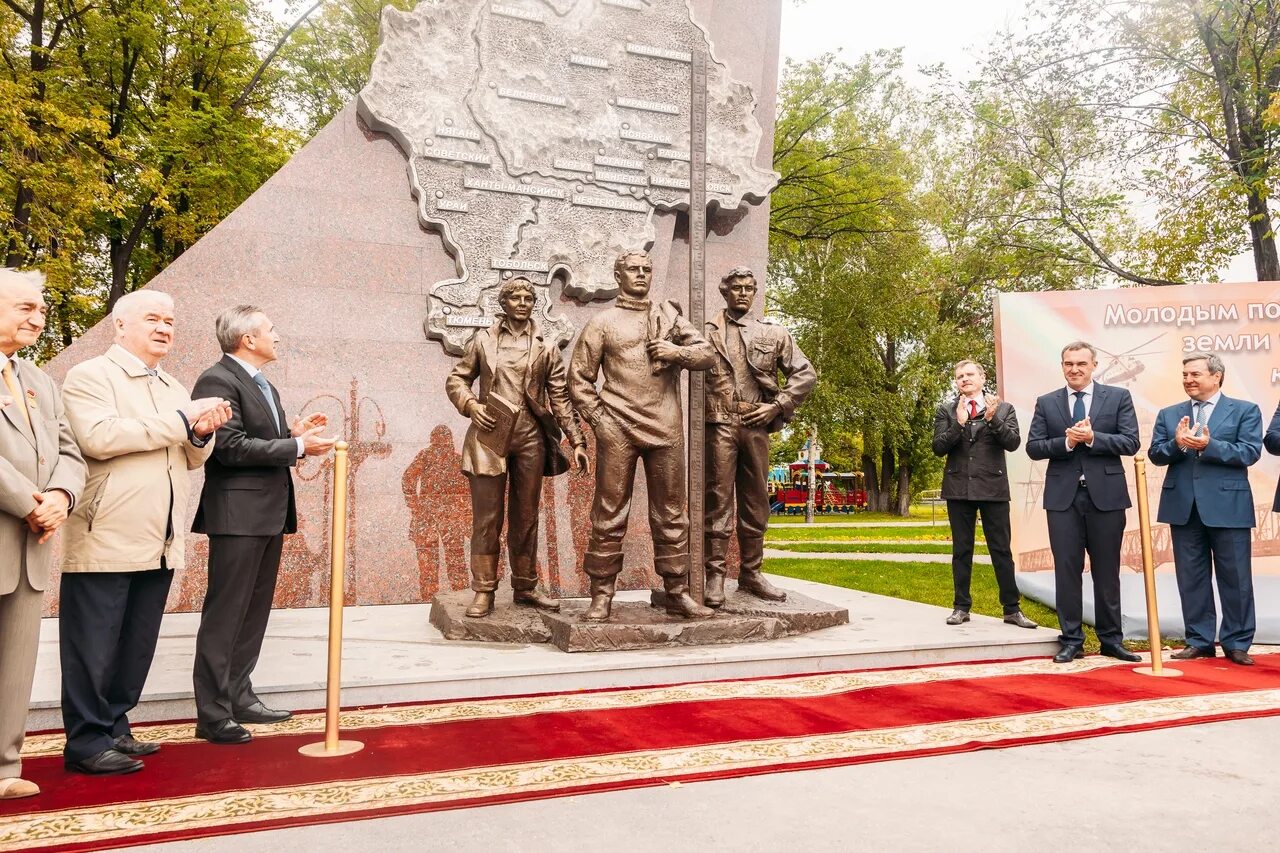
{"x": 1141, "y": 335}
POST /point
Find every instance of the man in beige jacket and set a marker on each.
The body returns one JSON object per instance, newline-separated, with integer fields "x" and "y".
{"x": 41, "y": 474}
{"x": 140, "y": 433}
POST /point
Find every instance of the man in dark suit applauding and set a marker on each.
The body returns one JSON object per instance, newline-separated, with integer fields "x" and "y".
{"x": 974, "y": 431}
{"x": 1209, "y": 441}
{"x": 246, "y": 508}
{"x": 1083, "y": 430}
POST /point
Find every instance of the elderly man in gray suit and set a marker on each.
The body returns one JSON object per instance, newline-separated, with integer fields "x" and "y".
{"x": 41, "y": 475}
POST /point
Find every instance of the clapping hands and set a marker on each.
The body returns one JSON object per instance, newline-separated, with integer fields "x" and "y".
{"x": 1191, "y": 439}
{"x": 1080, "y": 433}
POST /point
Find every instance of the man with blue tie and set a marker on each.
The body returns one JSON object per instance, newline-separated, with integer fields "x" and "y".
{"x": 1209, "y": 442}
{"x": 246, "y": 508}
{"x": 1083, "y": 430}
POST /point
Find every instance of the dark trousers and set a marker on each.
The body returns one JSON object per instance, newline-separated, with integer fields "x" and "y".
{"x": 737, "y": 477}
{"x": 242, "y": 581}
{"x": 518, "y": 491}
{"x": 108, "y": 625}
{"x": 995, "y": 526}
{"x": 1201, "y": 553}
{"x": 1083, "y": 528}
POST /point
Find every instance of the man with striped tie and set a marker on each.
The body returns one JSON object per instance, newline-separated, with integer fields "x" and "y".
{"x": 1083, "y": 430}
{"x": 246, "y": 507}
{"x": 1209, "y": 441}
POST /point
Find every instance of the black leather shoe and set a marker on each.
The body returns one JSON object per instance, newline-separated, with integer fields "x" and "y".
{"x": 129, "y": 746}
{"x": 958, "y": 617}
{"x": 1017, "y": 618}
{"x": 259, "y": 713}
{"x": 1239, "y": 656}
{"x": 1119, "y": 653}
{"x": 109, "y": 762}
{"x": 1193, "y": 652}
{"x": 224, "y": 731}
{"x": 1068, "y": 654}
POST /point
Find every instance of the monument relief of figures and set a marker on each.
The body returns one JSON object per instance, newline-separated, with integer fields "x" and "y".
{"x": 517, "y": 420}
{"x": 744, "y": 404}
{"x": 636, "y": 415}
{"x": 437, "y": 495}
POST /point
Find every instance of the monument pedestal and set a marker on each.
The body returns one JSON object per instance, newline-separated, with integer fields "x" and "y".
{"x": 799, "y": 614}
{"x": 506, "y": 624}
{"x": 634, "y": 624}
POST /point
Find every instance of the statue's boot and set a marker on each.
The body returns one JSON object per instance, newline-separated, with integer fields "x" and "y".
{"x": 484, "y": 580}
{"x": 524, "y": 585}
{"x": 601, "y": 600}
{"x": 749, "y": 577}
{"x": 713, "y": 595}
{"x": 679, "y": 603}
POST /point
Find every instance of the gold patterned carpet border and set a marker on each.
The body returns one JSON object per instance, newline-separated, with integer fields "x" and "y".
{"x": 138, "y": 820}
{"x": 791, "y": 687}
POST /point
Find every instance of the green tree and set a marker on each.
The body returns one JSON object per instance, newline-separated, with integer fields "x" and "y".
{"x": 1158, "y": 101}
{"x": 327, "y": 62}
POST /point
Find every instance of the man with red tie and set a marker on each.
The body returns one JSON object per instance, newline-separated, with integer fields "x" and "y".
{"x": 974, "y": 432}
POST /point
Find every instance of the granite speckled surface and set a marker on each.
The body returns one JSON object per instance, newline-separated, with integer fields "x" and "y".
{"x": 330, "y": 247}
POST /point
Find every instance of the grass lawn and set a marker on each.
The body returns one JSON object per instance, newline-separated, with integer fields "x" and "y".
{"x": 919, "y": 512}
{"x": 847, "y": 534}
{"x": 875, "y": 548}
{"x": 928, "y": 583}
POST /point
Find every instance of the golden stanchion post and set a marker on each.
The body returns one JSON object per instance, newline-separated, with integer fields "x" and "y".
{"x": 332, "y": 746}
{"x": 1157, "y": 667}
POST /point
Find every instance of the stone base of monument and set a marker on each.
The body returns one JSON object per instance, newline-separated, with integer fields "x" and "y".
{"x": 636, "y": 625}
{"x": 799, "y": 614}
{"x": 506, "y": 624}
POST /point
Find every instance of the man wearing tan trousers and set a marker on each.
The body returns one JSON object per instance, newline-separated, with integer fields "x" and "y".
{"x": 41, "y": 475}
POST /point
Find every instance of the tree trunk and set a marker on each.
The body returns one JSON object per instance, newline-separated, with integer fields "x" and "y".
{"x": 870, "y": 478}
{"x": 904, "y": 490}
{"x": 1263, "y": 239}
{"x": 888, "y": 473}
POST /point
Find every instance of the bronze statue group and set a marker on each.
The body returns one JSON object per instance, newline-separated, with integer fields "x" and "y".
{"x": 521, "y": 399}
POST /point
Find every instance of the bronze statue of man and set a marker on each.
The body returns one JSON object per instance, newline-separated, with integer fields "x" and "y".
{"x": 636, "y": 414}
{"x": 523, "y": 395}
{"x": 744, "y": 404}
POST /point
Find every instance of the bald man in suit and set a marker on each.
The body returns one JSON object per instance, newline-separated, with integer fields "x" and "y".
{"x": 41, "y": 475}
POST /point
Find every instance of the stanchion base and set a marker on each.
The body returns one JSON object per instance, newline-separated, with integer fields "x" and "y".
{"x": 1164, "y": 672}
{"x": 317, "y": 750}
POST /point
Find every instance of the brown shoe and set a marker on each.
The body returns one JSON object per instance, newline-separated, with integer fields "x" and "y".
{"x": 536, "y": 598}
{"x": 1193, "y": 652}
{"x": 755, "y": 584}
{"x": 481, "y": 605}
{"x": 714, "y": 594}
{"x": 601, "y": 600}
{"x": 1239, "y": 656}
{"x": 13, "y": 788}
{"x": 679, "y": 603}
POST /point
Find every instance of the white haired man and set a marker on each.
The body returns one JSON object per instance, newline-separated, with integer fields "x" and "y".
{"x": 41, "y": 475}
{"x": 140, "y": 432}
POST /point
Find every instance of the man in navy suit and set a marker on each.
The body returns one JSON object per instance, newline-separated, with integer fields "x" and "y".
{"x": 1209, "y": 442}
{"x": 1083, "y": 430}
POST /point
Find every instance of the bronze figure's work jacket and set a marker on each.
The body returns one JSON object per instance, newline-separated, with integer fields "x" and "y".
{"x": 545, "y": 397}
{"x": 769, "y": 349}
{"x": 642, "y": 399}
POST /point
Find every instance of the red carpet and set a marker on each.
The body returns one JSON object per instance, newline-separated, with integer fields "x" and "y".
{"x": 454, "y": 754}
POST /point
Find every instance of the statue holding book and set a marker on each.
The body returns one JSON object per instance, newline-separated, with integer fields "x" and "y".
{"x": 519, "y": 413}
